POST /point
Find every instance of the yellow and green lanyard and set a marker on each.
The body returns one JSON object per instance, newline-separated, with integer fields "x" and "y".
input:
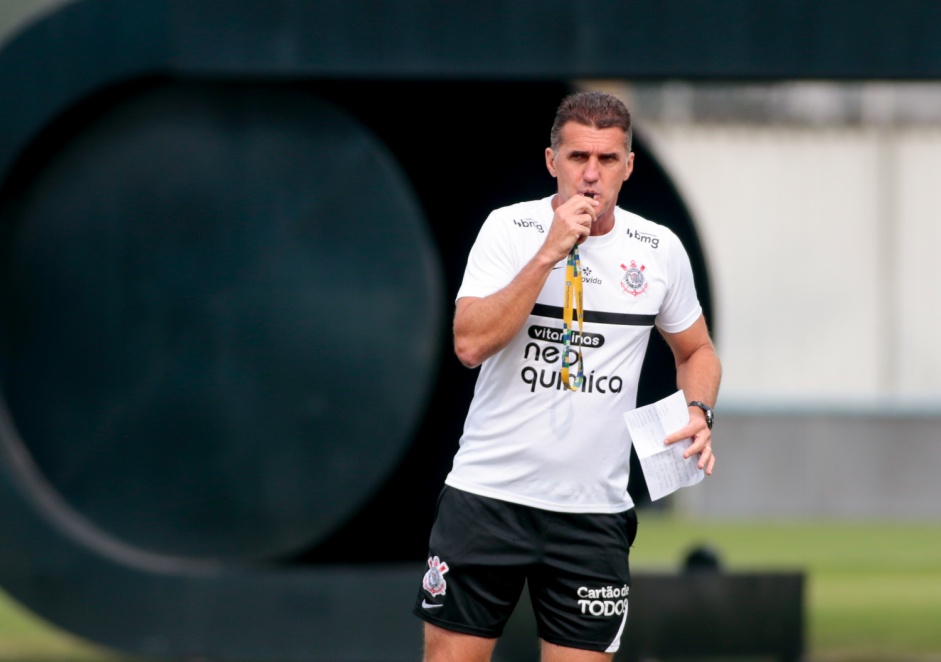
{"x": 573, "y": 290}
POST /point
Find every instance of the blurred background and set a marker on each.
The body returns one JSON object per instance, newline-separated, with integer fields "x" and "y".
{"x": 228, "y": 261}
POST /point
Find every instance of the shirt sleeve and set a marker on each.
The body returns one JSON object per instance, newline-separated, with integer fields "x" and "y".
{"x": 491, "y": 264}
{"x": 681, "y": 307}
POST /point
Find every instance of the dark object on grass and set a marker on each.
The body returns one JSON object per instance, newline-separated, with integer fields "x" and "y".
{"x": 702, "y": 558}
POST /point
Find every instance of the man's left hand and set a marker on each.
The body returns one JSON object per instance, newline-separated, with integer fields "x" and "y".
{"x": 699, "y": 432}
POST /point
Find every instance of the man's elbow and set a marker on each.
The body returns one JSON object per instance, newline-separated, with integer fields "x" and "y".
{"x": 467, "y": 353}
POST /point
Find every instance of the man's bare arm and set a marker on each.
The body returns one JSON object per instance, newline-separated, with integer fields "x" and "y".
{"x": 698, "y": 373}
{"x": 483, "y": 326}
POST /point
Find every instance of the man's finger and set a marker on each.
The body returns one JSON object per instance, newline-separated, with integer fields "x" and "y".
{"x": 680, "y": 435}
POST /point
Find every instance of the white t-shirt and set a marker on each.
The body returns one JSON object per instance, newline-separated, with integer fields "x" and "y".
{"x": 526, "y": 439}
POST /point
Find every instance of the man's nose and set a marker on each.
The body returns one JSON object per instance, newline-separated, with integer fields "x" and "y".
{"x": 591, "y": 171}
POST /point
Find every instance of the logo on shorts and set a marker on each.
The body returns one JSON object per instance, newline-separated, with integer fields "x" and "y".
{"x": 434, "y": 579}
{"x": 607, "y": 601}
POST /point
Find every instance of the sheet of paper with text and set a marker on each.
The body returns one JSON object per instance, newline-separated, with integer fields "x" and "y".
{"x": 664, "y": 467}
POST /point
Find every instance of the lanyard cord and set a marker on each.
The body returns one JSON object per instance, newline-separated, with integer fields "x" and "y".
{"x": 573, "y": 288}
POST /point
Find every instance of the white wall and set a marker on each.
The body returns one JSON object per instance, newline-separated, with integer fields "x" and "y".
{"x": 823, "y": 246}
{"x": 833, "y": 466}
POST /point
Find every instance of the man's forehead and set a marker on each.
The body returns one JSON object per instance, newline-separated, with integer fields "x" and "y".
{"x": 581, "y": 138}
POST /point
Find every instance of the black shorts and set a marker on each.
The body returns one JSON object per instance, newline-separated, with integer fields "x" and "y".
{"x": 482, "y": 550}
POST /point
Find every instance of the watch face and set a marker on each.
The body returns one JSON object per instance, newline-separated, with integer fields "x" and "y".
{"x": 707, "y": 410}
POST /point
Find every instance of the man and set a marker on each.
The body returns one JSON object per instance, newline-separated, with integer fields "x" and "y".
{"x": 538, "y": 489}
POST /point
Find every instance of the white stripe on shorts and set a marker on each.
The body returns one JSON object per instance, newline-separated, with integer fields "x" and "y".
{"x": 616, "y": 644}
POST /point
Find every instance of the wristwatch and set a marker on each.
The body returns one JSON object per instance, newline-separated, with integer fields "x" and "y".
{"x": 707, "y": 410}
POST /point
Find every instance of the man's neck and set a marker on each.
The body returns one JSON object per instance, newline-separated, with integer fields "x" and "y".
{"x": 604, "y": 226}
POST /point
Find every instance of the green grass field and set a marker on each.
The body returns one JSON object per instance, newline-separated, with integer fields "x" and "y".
{"x": 25, "y": 638}
{"x": 873, "y": 590}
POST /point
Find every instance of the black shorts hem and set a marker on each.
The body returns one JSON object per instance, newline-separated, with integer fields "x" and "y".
{"x": 581, "y": 645}
{"x": 456, "y": 627}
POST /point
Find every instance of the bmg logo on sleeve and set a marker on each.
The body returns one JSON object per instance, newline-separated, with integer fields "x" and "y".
{"x": 644, "y": 237}
{"x": 528, "y": 223}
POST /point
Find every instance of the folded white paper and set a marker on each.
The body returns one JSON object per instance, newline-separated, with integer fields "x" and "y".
{"x": 665, "y": 469}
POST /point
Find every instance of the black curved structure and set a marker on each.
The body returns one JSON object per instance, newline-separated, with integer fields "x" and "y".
{"x": 230, "y": 235}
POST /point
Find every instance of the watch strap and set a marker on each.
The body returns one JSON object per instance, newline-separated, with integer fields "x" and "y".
{"x": 707, "y": 410}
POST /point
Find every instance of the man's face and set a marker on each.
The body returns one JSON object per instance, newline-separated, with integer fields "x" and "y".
{"x": 592, "y": 162}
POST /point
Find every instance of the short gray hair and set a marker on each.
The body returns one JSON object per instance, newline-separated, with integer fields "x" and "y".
{"x": 596, "y": 109}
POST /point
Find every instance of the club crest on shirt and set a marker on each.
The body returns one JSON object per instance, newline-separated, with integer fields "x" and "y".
{"x": 634, "y": 282}
{"x": 434, "y": 579}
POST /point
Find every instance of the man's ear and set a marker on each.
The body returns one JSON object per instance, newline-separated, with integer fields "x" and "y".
{"x": 550, "y": 161}
{"x": 630, "y": 165}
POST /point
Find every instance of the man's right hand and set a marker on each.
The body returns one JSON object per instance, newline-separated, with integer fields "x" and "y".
{"x": 571, "y": 224}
